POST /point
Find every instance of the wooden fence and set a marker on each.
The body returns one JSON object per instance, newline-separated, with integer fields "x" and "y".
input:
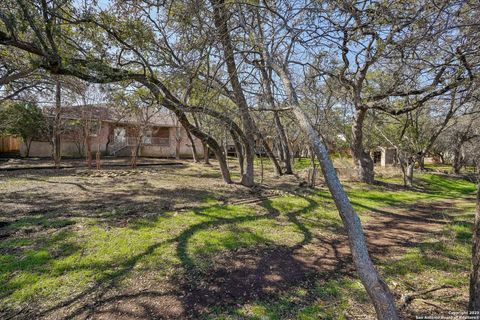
{"x": 9, "y": 144}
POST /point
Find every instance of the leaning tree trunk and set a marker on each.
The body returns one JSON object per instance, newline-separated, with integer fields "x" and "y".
{"x": 474, "y": 302}
{"x": 363, "y": 160}
{"x": 220, "y": 17}
{"x": 194, "y": 148}
{"x": 271, "y": 156}
{"x": 238, "y": 150}
{"x": 285, "y": 156}
{"x": 376, "y": 288}
{"x": 206, "y": 140}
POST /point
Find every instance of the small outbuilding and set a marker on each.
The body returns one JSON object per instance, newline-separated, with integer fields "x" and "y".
{"x": 385, "y": 156}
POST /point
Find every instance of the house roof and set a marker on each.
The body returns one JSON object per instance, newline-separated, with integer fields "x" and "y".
{"x": 109, "y": 113}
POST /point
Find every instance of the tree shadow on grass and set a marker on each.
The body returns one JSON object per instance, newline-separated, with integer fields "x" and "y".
{"x": 233, "y": 277}
{"x": 261, "y": 270}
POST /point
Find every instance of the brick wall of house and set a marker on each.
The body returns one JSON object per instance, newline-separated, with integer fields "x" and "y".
{"x": 72, "y": 146}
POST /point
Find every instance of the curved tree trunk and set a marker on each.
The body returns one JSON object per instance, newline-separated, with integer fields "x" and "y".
{"x": 376, "y": 288}
{"x": 363, "y": 160}
{"x": 474, "y": 302}
{"x": 205, "y": 138}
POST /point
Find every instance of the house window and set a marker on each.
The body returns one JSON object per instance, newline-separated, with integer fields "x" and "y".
{"x": 94, "y": 128}
{"x": 147, "y": 137}
{"x": 119, "y": 135}
{"x": 162, "y": 137}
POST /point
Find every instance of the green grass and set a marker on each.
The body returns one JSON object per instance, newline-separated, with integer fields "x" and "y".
{"x": 51, "y": 257}
{"x": 428, "y": 187}
{"x": 447, "y": 168}
{"x": 445, "y": 258}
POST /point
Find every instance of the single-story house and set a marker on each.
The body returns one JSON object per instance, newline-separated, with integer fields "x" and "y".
{"x": 116, "y": 134}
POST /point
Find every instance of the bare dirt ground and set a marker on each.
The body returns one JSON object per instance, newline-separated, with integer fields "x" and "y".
{"x": 234, "y": 277}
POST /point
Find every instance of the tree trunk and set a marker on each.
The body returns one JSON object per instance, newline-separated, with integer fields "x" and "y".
{"x": 238, "y": 136}
{"x": 28, "y": 144}
{"x": 206, "y": 140}
{"x": 89, "y": 151}
{"x": 363, "y": 160}
{"x": 404, "y": 173}
{"x": 194, "y": 148}
{"x": 56, "y": 140}
{"x": 206, "y": 153}
{"x": 442, "y": 158}
{"x": 178, "y": 140}
{"x": 271, "y": 156}
{"x": 457, "y": 160}
{"x": 220, "y": 17}
{"x": 421, "y": 163}
{"x": 376, "y": 288}
{"x": 238, "y": 150}
{"x": 313, "y": 176}
{"x": 409, "y": 174}
{"x": 279, "y": 149}
{"x": 283, "y": 143}
{"x": 474, "y": 302}
{"x": 133, "y": 152}
{"x": 261, "y": 169}
{"x": 97, "y": 156}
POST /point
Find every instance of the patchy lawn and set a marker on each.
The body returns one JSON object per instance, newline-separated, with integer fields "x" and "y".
{"x": 175, "y": 242}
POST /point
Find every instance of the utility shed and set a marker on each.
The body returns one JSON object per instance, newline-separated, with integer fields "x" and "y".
{"x": 385, "y": 156}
